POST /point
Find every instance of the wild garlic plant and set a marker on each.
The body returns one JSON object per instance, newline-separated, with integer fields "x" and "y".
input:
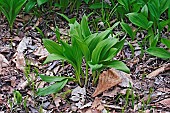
{"x": 98, "y": 50}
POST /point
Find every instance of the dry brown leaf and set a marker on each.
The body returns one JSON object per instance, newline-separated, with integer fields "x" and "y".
{"x": 19, "y": 60}
{"x": 107, "y": 80}
{"x": 112, "y": 93}
{"x": 159, "y": 70}
{"x": 3, "y": 61}
{"x": 165, "y": 102}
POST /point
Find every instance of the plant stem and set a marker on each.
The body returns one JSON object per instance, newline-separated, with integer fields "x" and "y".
{"x": 97, "y": 77}
{"x": 93, "y": 75}
{"x": 86, "y": 79}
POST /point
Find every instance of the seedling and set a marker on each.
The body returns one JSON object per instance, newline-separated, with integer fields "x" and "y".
{"x": 11, "y": 8}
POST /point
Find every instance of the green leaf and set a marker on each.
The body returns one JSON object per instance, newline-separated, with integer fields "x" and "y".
{"x": 155, "y": 40}
{"x": 53, "y": 57}
{"x": 164, "y": 5}
{"x": 54, "y": 88}
{"x": 119, "y": 45}
{"x": 162, "y": 24}
{"x": 144, "y": 10}
{"x": 117, "y": 65}
{"x": 11, "y": 8}
{"x": 125, "y": 3}
{"x": 86, "y": 1}
{"x": 166, "y": 42}
{"x": 139, "y": 20}
{"x": 17, "y": 97}
{"x": 128, "y": 30}
{"x": 93, "y": 43}
{"x": 57, "y": 33}
{"x": 95, "y": 67}
{"x": 99, "y": 6}
{"x": 84, "y": 27}
{"x": 158, "y": 52}
{"x": 103, "y": 45}
{"x": 52, "y": 47}
{"x": 154, "y": 8}
{"x": 29, "y": 5}
{"x": 54, "y": 78}
{"x": 109, "y": 55}
{"x": 40, "y": 2}
{"x": 71, "y": 21}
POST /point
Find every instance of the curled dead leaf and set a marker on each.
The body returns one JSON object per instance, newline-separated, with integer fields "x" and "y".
{"x": 107, "y": 80}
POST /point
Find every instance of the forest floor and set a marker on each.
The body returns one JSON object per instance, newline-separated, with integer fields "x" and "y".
{"x": 23, "y": 50}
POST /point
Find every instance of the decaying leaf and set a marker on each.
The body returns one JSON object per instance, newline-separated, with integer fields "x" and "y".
{"x": 126, "y": 79}
{"x": 41, "y": 52}
{"x": 107, "y": 80}
{"x": 3, "y": 61}
{"x": 78, "y": 96}
{"x": 159, "y": 70}
{"x": 24, "y": 44}
{"x": 20, "y": 61}
{"x": 165, "y": 102}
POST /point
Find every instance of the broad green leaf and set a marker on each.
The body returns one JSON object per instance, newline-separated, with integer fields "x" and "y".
{"x": 103, "y": 45}
{"x": 54, "y": 88}
{"x": 109, "y": 55}
{"x": 154, "y": 8}
{"x": 40, "y": 2}
{"x": 29, "y": 5}
{"x": 68, "y": 52}
{"x": 52, "y": 57}
{"x": 84, "y": 27}
{"x": 144, "y": 10}
{"x": 54, "y": 78}
{"x": 95, "y": 67}
{"x": 101, "y": 36}
{"x": 128, "y": 30}
{"x": 11, "y": 8}
{"x": 57, "y": 33}
{"x": 117, "y": 65}
{"x": 99, "y": 6}
{"x": 166, "y": 42}
{"x": 158, "y": 52}
{"x": 86, "y": 1}
{"x": 125, "y": 3}
{"x": 155, "y": 40}
{"x": 109, "y": 45}
{"x": 75, "y": 31}
{"x": 119, "y": 45}
{"x": 139, "y": 20}
{"x": 71, "y": 21}
{"x": 163, "y": 23}
{"x": 52, "y": 47}
{"x": 164, "y": 5}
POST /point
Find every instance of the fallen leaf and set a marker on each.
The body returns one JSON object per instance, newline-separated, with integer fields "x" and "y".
{"x": 57, "y": 101}
{"x": 19, "y": 60}
{"x": 78, "y": 96}
{"x": 112, "y": 93}
{"x": 107, "y": 80}
{"x": 24, "y": 44}
{"x": 3, "y": 61}
{"x": 159, "y": 70}
{"x": 165, "y": 102}
{"x": 126, "y": 79}
{"x": 41, "y": 52}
